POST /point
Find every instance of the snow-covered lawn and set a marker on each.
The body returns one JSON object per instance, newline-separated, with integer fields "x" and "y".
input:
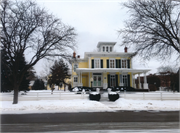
{"x": 85, "y": 105}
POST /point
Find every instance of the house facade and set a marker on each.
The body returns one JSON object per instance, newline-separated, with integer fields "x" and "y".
{"x": 105, "y": 68}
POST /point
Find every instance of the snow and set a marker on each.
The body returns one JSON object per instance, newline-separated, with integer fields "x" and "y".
{"x": 131, "y": 104}
{"x": 112, "y": 93}
{"x": 81, "y": 103}
{"x": 85, "y": 105}
{"x": 75, "y": 89}
{"x": 95, "y": 93}
{"x": 44, "y": 106}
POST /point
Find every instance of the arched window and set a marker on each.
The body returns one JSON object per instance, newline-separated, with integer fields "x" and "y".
{"x": 106, "y": 49}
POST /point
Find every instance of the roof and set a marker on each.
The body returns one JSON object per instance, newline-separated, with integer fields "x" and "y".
{"x": 106, "y": 54}
{"x": 100, "y": 70}
{"x": 105, "y": 43}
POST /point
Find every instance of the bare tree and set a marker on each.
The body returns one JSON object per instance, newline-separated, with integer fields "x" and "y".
{"x": 153, "y": 28}
{"x": 27, "y": 28}
{"x": 45, "y": 72}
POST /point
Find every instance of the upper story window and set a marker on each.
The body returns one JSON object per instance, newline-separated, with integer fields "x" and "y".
{"x": 97, "y": 63}
{"x": 107, "y": 49}
{"x": 110, "y": 49}
{"x": 124, "y": 63}
{"x": 111, "y": 63}
{"x": 103, "y": 49}
{"x": 75, "y": 66}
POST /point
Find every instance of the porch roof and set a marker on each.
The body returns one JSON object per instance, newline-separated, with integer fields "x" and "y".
{"x": 121, "y": 70}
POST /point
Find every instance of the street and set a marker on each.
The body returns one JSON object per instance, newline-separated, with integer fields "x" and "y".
{"x": 120, "y": 120}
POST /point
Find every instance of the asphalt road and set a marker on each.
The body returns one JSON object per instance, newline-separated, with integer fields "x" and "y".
{"x": 89, "y": 121}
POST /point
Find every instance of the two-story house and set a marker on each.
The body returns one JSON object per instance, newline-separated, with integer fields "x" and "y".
{"x": 105, "y": 68}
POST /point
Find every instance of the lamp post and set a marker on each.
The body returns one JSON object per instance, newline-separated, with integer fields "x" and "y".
{"x": 91, "y": 81}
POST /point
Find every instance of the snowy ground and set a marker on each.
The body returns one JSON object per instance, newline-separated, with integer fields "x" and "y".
{"x": 85, "y": 105}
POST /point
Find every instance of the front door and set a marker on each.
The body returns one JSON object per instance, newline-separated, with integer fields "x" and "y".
{"x": 97, "y": 81}
{"x": 112, "y": 80}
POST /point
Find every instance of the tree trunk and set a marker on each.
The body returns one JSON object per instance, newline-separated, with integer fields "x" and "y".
{"x": 15, "y": 98}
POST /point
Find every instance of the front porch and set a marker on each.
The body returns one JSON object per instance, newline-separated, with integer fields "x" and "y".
{"x": 109, "y": 77}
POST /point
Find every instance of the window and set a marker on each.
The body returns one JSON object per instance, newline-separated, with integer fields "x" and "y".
{"x": 124, "y": 63}
{"x": 75, "y": 66}
{"x": 97, "y": 63}
{"x": 103, "y": 49}
{"x": 106, "y": 49}
{"x": 75, "y": 79}
{"x": 111, "y": 63}
{"x": 110, "y": 49}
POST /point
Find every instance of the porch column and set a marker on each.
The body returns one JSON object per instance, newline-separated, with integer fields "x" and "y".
{"x": 81, "y": 79}
{"x": 145, "y": 85}
{"x": 78, "y": 79}
{"x": 134, "y": 83}
{"x": 132, "y": 80}
{"x": 139, "y": 85}
{"x": 92, "y": 77}
{"x": 89, "y": 62}
{"x": 89, "y": 80}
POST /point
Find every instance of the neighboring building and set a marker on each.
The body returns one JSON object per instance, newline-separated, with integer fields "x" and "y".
{"x": 105, "y": 68}
{"x": 63, "y": 86}
{"x": 158, "y": 81}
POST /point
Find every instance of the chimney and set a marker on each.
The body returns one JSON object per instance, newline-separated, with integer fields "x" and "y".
{"x": 125, "y": 49}
{"x": 74, "y": 55}
{"x": 78, "y": 56}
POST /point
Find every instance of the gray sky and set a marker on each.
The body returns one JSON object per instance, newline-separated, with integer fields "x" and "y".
{"x": 94, "y": 21}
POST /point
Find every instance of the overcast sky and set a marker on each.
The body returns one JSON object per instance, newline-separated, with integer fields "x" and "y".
{"x": 94, "y": 21}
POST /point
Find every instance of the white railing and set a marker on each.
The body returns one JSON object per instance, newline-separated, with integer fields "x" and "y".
{"x": 151, "y": 95}
{"x": 32, "y": 96}
{"x": 60, "y": 95}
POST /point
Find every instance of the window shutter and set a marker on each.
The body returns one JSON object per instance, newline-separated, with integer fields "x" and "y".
{"x": 92, "y": 63}
{"x": 128, "y": 80}
{"x": 107, "y": 63}
{"x": 117, "y": 63}
{"x": 120, "y": 63}
{"x": 116, "y": 80}
{"x": 128, "y": 61}
{"x": 108, "y": 80}
{"x": 101, "y": 63}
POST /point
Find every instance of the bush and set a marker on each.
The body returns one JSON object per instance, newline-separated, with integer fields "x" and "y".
{"x": 113, "y": 96}
{"x": 94, "y": 96}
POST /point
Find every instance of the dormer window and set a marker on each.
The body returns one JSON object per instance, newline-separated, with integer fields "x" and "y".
{"x": 110, "y": 49}
{"x": 103, "y": 49}
{"x": 106, "y": 49}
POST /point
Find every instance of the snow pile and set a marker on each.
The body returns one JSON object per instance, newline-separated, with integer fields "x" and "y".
{"x": 75, "y": 89}
{"x": 113, "y": 93}
{"x": 130, "y": 104}
{"x": 76, "y": 105}
{"x": 95, "y": 93}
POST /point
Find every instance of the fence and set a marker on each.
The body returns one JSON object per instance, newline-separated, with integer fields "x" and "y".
{"x": 33, "y": 96}
{"x": 59, "y": 95}
{"x": 151, "y": 95}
